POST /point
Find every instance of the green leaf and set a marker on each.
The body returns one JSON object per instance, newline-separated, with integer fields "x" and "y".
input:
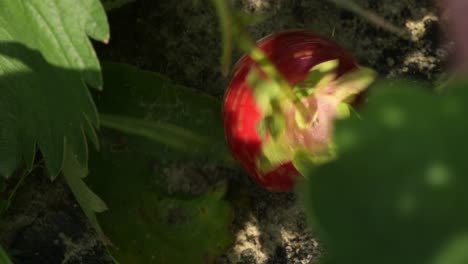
{"x": 398, "y": 190}
{"x": 90, "y": 203}
{"x": 46, "y": 60}
{"x": 160, "y": 117}
{"x": 4, "y": 259}
{"x": 164, "y": 123}
{"x": 146, "y": 224}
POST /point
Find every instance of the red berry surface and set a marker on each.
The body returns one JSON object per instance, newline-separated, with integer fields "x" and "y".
{"x": 294, "y": 53}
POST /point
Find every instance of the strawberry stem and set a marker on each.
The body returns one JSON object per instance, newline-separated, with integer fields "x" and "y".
{"x": 225, "y": 20}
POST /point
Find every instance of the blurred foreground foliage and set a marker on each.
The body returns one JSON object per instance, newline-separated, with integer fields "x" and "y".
{"x": 397, "y": 192}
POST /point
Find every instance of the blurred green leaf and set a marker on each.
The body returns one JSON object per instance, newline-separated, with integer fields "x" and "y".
{"x": 163, "y": 123}
{"x": 146, "y": 224}
{"x": 453, "y": 252}
{"x": 4, "y": 259}
{"x": 46, "y": 60}
{"x": 397, "y": 193}
{"x": 160, "y": 117}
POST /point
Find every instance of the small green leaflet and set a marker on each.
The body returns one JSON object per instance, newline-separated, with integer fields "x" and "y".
{"x": 90, "y": 203}
{"x": 46, "y": 60}
{"x": 401, "y": 172}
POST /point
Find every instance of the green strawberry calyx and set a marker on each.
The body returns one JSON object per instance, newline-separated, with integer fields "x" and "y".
{"x": 285, "y": 130}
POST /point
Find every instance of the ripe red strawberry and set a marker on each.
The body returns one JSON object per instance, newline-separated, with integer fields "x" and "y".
{"x": 294, "y": 53}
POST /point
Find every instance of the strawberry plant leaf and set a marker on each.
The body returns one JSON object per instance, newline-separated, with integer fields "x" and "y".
{"x": 396, "y": 194}
{"x": 146, "y": 224}
{"x": 90, "y": 203}
{"x": 160, "y": 117}
{"x": 163, "y": 123}
{"x": 4, "y": 259}
{"x": 44, "y": 100}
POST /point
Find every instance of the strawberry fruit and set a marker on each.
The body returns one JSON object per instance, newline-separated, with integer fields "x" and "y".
{"x": 294, "y": 53}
